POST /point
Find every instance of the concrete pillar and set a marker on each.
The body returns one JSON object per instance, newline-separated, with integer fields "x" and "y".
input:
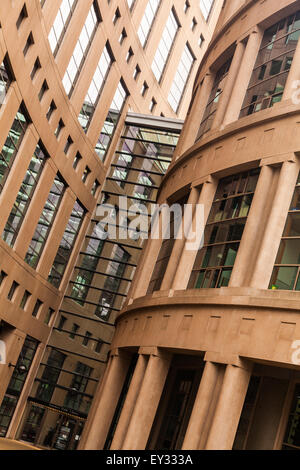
{"x": 187, "y": 260}
{"x": 253, "y": 231}
{"x": 293, "y": 80}
{"x": 147, "y": 401}
{"x": 228, "y": 411}
{"x": 229, "y": 85}
{"x": 269, "y": 245}
{"x": 129, "y": 403}
{"x": 179, "y": 244}
{"x": 245, "y": 69}
{"x": 105, "y": 402}
{"x": 201, "y": 407}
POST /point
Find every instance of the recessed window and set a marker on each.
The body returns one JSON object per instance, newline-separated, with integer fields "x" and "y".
{"x": 36, "y": 67}
{"x": 123, "y": 35}
{"x": 86, "y": 338}
{"x": 86, "y": 173}
{"x": 136, "y": 72}
{"x": 76, "y": 161}
{"x": 129, "y": 55}
{"x": 74, "y": 330}
{"x": 62, "y": 322}
{"x": 193, "y": 24}
{"x": 3, "y": 275}
{"x": 22, "y": 16}
{"x": 43, "y": 90}
{"x": 153, "y": 103}
{"x": 144, "y": 89}
{"x": 37, "y": 308}
{"x": 51, "y": 109}
{"x": 49, "y": 316}
{"x": 12, "y": 290}
{"x": 98, "y": 346}
{"x": 25, "y": 299}
{"x": 95, "y": 187}
{"x": 116, "y": 16}
{"x": 201, "y": 40}
{"x": 68, "y": 144}
{"x": 186, "y": 6}
{"x": 59, "y": 128}
{"x": 29, "y": 43}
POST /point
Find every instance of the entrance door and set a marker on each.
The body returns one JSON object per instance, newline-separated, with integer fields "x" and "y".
{"x": 65, "y": 433}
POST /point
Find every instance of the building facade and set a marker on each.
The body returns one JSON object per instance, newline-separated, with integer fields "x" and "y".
{"x": 206, "y": 350}
{"x": 93, "y": 97}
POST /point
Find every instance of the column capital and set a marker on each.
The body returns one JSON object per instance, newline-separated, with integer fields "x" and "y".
{"x": 228, "y": 360}
{"x": 290, "y": 157}
{"x": 154, "y": 351}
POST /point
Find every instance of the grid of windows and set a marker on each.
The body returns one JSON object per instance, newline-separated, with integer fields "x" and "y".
{"x": 147, "y": 21}
{"x": 50, "y": 375}
{"x": 224, "y": 230}
{"x": 79, "y": 383}
{"x": 60, "y": 24}
{"x": 81, "y": 49}
{"x": 214, "y": 98}
{"x": 16, "y": 383}
{"x": 111, "y": 120}
{"x": 24, "y": 197}
{"x": 286, "y": 273}
{"x": 272, "y": 66}
{"x": 44, "y": 225}
{"x": 165, "y": 45}
{"x": 12, "y": 144}
{"x": 115, "y": 272}
{"x": 94, "y": 91}
{"x": 66, "y": 245}
{"x": 181, "y": 78}
{"x": 206, "y": 7}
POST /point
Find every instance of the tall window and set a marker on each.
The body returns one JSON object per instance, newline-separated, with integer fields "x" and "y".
{"x": 79, "y": 383}
{"x": 50, "y": 375}
{"x": 111, "y": 120}
{"x": 61, "y": 23}
{"x": 44, "y": 225}
{"x": 223, "y": 232}
{"x": 214, "y": 98}
{"x": 272, "y": 66}
{"x": 147, "y": 21}
{"x": 286, "y": 273}
{"x": 16, "y": 384}
{"x": 115, "y": 272}
{"x": 94, "y": 91}
{"x": 66, "y": 245}
{"x": 24, "y": 196}
{"x": 181, "y": 78}
{"x": 206, "y": 7}
{"x": 165, "y": 45}
{"x": 12, "y": 144}
{"x": 81, "y": 49}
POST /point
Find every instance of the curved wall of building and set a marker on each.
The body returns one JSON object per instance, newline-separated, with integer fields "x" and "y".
{"x": 233, "y": 304}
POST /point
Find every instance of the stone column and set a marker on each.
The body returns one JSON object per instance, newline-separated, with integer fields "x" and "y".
{"x": 185, "y": 264}
{"x": 147, "y": 401}
{"x": 253, "y": 228}
{"x": 228, "y": 411}
{"x": 201, "y": 407}
{"x": 269, "y": 245}
{"x": 293, "y": 80}
{"x": 178, "y": 245}
{"x": 105, "y": 402}
{"x": 229, "y": 85}
{"x": 129, "y": 403}
{"x": 245, "y": 70}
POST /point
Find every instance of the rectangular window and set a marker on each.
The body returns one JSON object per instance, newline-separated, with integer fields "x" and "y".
{"x": 181, "y": 78}
{"x": 79, "y": 383}
{"x": 60, "y": 24}
{"x": 44, "y": 225}
{"x": 6, "y": 77}
{"x": 223, "y": 232}
{"x": 16, "y": 383}
{"x": 165, "y": 45}
{"x": 111, "y": 120}
{"x": 25, "y": 195}
{"x": 206, "y": 7}
{"x": 272, "y": 66}
{"x": 81, "y": 49}
{"x": 147, "y": 21}
{"x": 96, "y": 86}
{"x": 12, "y": 144}
{"x": 66, "y": 245}
{"x": 50, "y": 375}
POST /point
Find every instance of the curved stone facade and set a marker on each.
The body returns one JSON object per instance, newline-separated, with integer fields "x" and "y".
{"x": 230, "y": 309}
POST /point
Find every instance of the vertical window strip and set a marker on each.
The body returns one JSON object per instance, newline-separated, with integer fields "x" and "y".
{"x": 147, "y": 21}
{"x": 24, "y": 196}
{"x": 12, "y": 144}
{"x": 66, "y": 245}
{"x": 165, "y": 46}
{"x": 181, "y": 78}
{"x": 95, "y": 89}
{"x": 206, "y": 7}
{"x": 6, "y": 77}
{"x": 111, "y": 121}
{"x": 45, "y": 223}
{"x": 81, "y": 49}
{"x": 60, "y": 24}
